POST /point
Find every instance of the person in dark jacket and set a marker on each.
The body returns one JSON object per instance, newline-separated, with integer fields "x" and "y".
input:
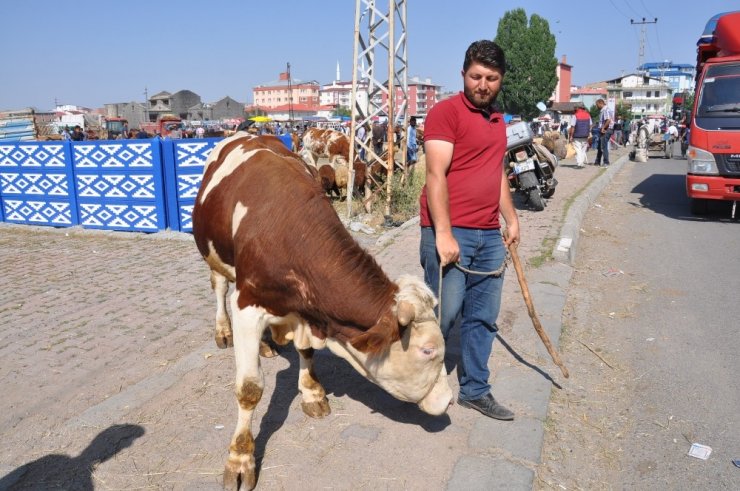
{"x": 580, "y": 128}
{"x": 77, "y": 134}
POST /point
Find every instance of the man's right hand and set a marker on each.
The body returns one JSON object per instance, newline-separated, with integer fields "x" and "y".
{"x": 447, "y": 248}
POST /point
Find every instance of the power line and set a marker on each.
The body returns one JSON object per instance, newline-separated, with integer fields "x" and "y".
{"x": 657, "y": 38}
{"x": 615, "y": 8}
{"x": 631, "y": 8}
{"x": 646, "y": 9}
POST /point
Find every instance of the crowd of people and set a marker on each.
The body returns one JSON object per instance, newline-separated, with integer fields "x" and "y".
{"x": 610, "y": 132}
{"x": 374, "y": 136}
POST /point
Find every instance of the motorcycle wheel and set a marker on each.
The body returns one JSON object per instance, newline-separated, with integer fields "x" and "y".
{"x": 548, "y": 194}
{"x": 536, "y": 199}
{"x": 528, "y": 182}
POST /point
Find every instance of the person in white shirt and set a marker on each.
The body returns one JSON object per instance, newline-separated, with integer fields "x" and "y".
{"x": 606, "y": 128}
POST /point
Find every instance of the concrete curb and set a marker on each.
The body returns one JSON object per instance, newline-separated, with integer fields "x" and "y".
{"x": 388, "y": 237}
{"x": 567, "y": 245}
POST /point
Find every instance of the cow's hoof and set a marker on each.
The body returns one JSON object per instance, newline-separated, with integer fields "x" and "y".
{"x": 316, "y": 409}
{"x": 238, "y": 478}
{"x": 224, "y": 339}
{"x": 266, "y": 351}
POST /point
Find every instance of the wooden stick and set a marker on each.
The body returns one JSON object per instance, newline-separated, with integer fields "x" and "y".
{"x": 594, "y": 352}
{"x": 532, "y": 313}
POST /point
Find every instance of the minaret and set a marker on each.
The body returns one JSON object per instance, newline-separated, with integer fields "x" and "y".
{"x": 338, "y": 79}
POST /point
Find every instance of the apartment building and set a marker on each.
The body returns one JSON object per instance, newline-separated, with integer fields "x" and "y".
{"x": 286, "y": 91}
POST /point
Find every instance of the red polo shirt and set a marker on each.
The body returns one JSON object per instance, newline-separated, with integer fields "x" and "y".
{"x": 474, "y": 176}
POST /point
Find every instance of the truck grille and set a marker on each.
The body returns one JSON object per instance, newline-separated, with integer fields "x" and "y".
{"x": 731, "y": 165}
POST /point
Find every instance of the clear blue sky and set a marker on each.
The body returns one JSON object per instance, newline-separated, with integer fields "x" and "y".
{"x": 89, "y": 53}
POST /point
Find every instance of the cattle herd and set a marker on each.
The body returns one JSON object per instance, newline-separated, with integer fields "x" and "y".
{"x": 263, "y": 223}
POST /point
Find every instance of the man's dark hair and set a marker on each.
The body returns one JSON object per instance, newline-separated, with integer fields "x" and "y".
{"x": 486, "y": 53}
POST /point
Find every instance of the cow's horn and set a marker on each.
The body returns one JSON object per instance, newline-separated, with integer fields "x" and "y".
{"x": 406, "y": 313}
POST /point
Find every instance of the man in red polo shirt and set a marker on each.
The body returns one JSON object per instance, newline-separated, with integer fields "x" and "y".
{"x": 465, "y": 192}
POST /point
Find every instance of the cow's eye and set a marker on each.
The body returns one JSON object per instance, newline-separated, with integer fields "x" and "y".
{"x": 427, "y": 350}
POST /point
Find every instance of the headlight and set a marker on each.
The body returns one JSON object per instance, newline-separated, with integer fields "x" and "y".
{"x": 701, "y": 161}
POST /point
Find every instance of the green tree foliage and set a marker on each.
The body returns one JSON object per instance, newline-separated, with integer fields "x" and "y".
{"x": 595, "y": 112}
{"x": 530, "y": 62}
{"x": 342, "y": 111}
{"x": 624, "y": 111}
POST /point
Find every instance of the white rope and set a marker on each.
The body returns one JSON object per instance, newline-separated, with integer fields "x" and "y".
{"x": 496, "y": 273}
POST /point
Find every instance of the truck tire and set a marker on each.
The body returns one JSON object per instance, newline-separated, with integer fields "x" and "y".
{"x": 529, "y": 184}
{"x": 699, "y": 206}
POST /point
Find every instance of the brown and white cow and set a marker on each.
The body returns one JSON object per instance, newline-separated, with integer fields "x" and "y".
{"x": 330, "y": 144}
{"x": 261, "y": 221}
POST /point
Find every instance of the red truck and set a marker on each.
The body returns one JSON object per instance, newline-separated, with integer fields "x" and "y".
{"x": 714, "y": 141}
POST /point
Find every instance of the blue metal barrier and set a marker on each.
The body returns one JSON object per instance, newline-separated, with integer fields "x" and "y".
{"x": 36, "y": 184}
{"x": 184, "y": 161}
{"x": 131, "y": 185}
{"x": 119, "y": 184}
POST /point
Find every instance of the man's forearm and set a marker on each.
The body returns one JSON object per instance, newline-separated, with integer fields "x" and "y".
{"x": 438, "y": 200}
{"x": 506, "y": 203}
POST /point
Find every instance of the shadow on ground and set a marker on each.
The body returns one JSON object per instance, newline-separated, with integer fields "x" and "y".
{"x": 59, "y": 471}
{"x": 666, "y": 194}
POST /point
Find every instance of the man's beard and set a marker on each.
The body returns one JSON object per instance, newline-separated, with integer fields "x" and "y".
{"x": 478, "y": 100}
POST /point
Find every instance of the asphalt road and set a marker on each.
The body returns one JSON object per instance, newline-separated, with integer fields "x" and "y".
{"x": 670, "y": 285}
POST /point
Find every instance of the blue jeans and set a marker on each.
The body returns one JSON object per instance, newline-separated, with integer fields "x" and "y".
{"x": 476, "y": 298}
{"x": 604, "y": 147}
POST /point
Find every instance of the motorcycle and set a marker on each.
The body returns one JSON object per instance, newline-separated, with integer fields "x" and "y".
{"x": 530, "y": 168}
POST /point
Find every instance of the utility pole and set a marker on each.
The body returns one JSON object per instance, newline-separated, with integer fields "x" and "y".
{"x": 641, "y": 53}
{"x": 146, "y": 104}
{"x": 290, "y": 96}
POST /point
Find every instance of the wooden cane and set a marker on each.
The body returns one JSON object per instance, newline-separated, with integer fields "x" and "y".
{"x": 532, "y": 313}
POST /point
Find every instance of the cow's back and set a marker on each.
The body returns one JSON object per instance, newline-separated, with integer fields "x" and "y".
{"x": 243, "y": 171}
{"x": 263, "y": 221}
{"x": 327, "y": 143}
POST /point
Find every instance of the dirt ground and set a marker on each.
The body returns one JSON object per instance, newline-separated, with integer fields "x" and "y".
{"x": 589, "y": 417}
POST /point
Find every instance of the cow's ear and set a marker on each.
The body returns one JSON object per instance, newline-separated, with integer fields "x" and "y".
{"x": 405, "y": 313}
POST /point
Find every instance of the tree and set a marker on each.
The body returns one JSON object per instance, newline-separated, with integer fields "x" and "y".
{"x": 624, "y": 111}
{"x": 595, "y": 112}
{"x": 530, "y": 62}
{"x": 342, "y": 111}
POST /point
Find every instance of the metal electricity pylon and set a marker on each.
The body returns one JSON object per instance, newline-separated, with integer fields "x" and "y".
{"x": 380, "y": 65}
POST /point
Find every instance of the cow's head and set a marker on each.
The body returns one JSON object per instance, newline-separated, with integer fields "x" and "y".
{"x": 412, "y": 368}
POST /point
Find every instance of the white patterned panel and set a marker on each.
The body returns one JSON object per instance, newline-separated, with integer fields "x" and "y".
{"x": 188, "y": 185}
{"x": 113, "y": 155}
{"x": 32, "y": 155}
{"x": 193, "y": 154}
{"x": 186, "y": 218}
{"x": 118, "y": 216}
{"x": 135, "y": 186}
{"x": 34, "y": 183}
{"x": 37, "y": 212}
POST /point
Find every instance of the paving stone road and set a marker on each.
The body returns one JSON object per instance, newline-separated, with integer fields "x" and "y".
{"x": 110, "y": 376}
